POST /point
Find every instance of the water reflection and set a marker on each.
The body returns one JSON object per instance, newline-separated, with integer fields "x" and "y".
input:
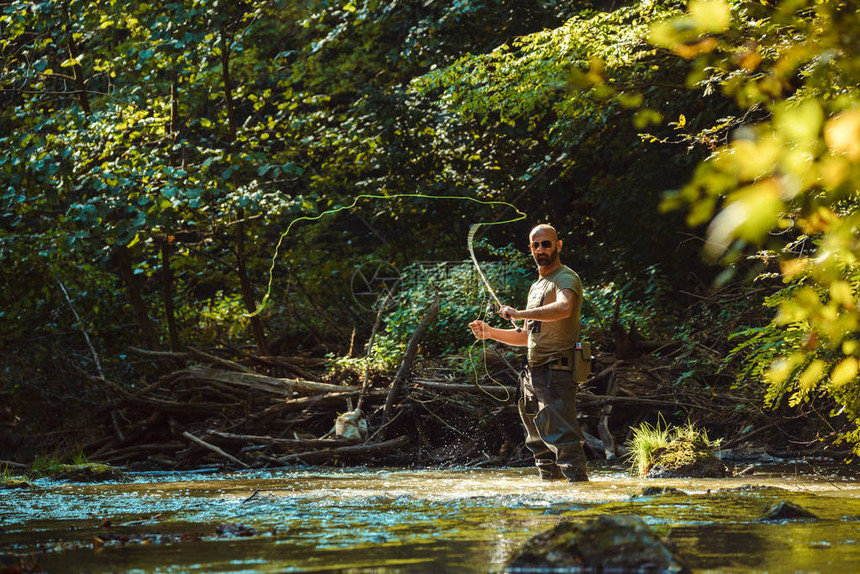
{"x": 389, "y": 520}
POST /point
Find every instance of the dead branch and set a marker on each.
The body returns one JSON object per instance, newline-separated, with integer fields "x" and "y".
{"x": 274, "y": 385}
{"x": 409, "y": 357}
{"x": 460, "y": 387}
{"x": 346, "y": 451}
{"x": 213, "y": 448}
{"x": 226, "y": 363}
{"x": 289, "y": 443}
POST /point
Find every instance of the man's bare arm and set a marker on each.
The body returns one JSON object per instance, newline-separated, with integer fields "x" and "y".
{"x": 556, "y": 311}
{"x": 508, "y": 336}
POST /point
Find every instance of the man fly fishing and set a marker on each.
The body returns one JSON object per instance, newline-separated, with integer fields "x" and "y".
{"x": 547, "y": 403}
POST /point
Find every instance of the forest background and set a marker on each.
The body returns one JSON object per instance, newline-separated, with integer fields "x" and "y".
{"x": 700, "y": 161}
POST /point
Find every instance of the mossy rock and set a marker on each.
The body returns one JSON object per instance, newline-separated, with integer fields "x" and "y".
{"x": 11, "y": 483}
{"x": 604, "y": 544}
{"x": 783, "y": 511}
{"x": 89, "y": 472}
{"x": 659, "y": 491}
{"x": 686, "y": 459}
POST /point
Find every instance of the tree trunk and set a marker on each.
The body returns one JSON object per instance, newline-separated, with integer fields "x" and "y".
{"x": 228, "y": 84}
{"x": 174, "y": 104}
{"x": 244, "y": 283}
{"x": 122, "y": 259}
{"x": 77, "y": 71}
{"x": 248, "y": 291}
{"x": 167, "y": 292}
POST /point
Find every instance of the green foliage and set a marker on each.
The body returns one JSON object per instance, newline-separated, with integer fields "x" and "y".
{"x": 573, "y": 96}
{"x": 199, "y": 131}
{"x": 643, "y": 303}
{"x": 786, "y": 181}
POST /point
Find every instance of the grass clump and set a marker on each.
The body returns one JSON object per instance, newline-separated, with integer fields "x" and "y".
{"x": 647, "y": 440}
{"x": 79, "y": 469}
{"x": 685, "y": 450}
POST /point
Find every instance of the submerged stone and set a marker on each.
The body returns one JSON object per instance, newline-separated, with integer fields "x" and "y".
{"x": 659, "y": 491}
{"x": 604, "y": 544}
{"x": 229, "y": 530}
{"x": 786, "y": 511}
{"x": 10, "y": 483}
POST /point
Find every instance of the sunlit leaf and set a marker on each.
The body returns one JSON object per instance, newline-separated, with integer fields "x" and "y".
{"x": 842, "y": 134}
{"x": 710, "y": 15}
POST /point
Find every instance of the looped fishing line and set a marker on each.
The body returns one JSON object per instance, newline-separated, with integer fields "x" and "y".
{"x": 521, "y": 216}
{"x": 478, "y": 384}
{"x": 470, "y": 240}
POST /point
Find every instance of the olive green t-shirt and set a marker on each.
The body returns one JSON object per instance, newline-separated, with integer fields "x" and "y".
{"x": 550, "y": 340}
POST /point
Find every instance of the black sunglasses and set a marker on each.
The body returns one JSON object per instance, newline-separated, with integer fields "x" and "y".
{"x": 546, "y": 244}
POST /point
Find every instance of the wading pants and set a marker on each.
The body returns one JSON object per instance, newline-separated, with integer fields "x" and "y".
{"x": 547, "y": 408}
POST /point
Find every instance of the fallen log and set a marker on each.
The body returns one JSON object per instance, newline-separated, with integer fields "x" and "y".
{"x": 181, "y": 407}
{"x": 331, "y": 399}
{"x": 583, "y": 399}
{"x": 192, "y": 353}
{"x": 137, "y": 450}
{"x": 274, "y": 385}
{"x": 290, "y": 443}
{"x": 345, "y": 451}
{"x": 279, "y": 363}
{"x": 213, "y": 448}
{"x": 226, "y": 363}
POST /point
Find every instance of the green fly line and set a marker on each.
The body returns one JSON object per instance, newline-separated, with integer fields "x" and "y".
{"x": 520, "y": 216}
{"x": 470, "y": 244}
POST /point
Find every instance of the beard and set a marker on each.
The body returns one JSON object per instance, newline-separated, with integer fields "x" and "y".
{"x": 545, "y": 259}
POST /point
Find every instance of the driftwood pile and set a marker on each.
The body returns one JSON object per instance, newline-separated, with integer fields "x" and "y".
{"x": 250, "y": 412}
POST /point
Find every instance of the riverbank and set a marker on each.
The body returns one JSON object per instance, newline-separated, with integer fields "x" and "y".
{"x": 242, "y": 412}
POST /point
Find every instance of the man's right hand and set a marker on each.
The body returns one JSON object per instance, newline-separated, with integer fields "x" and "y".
{"x": 480, "y": 329}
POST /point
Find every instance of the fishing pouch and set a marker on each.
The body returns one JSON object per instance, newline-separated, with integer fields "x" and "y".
{"x": 581, "y": 361}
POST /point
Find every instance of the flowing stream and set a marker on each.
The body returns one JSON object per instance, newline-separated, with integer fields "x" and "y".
{"x": 315, "y": 519}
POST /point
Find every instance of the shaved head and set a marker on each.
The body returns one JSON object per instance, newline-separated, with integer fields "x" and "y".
{"x": 544, "y": 229}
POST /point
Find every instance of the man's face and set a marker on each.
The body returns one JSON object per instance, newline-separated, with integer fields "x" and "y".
{"x": 544, "y": 248}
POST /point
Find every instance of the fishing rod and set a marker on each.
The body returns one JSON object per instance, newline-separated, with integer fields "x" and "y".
{"x": 470, "y": 239}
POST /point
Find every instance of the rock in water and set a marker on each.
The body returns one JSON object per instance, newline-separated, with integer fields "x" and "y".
{"x": 786, "y": 511}
{"x": 604, "y": 544}
{"x": 659, "y": 491}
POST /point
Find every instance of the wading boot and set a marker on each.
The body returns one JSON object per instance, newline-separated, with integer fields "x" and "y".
{"x": 550, "y": 471}
{"x": 574, "y": 473}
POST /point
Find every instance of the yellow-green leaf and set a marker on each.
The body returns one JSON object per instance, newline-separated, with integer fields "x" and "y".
{"x": 811, "y": 375}
{"x": 845, "y": 371}
{"x": 711, "y": 15}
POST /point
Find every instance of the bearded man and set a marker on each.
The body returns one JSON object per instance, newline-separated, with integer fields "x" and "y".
{"x": 547, "y": 403}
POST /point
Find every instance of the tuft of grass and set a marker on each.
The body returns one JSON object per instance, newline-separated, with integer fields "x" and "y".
{"x": 647, "y": 439}
{"x": 674, "y": 447}
{"x": 45, "y": 465}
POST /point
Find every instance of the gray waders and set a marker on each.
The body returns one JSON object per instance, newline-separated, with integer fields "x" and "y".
{"x": 547, "y": 408}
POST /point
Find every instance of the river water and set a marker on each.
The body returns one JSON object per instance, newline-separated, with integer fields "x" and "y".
{"x": 315, "y": 519}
